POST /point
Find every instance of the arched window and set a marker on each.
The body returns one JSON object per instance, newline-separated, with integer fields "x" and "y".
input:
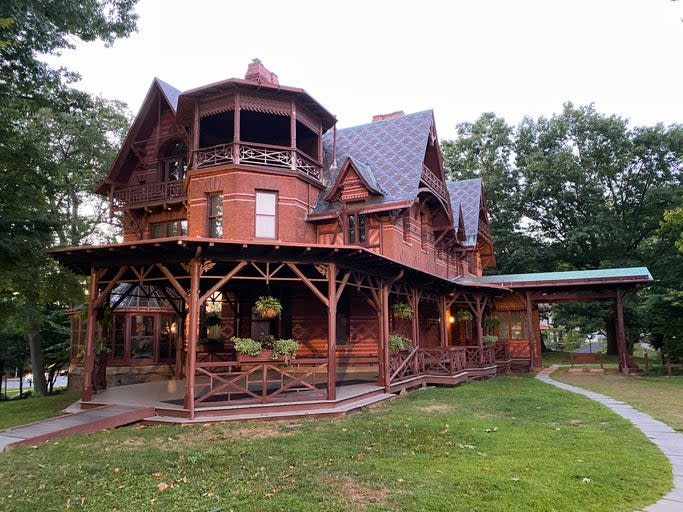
{"x": 174, "y": 161}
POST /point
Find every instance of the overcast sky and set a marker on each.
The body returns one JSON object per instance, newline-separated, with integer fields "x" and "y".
{"x": 460, "y": 58}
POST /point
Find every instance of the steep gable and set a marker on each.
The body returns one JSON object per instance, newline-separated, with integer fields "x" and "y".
{"x": 355, "y": 182}
{"x": 159, "y": 95}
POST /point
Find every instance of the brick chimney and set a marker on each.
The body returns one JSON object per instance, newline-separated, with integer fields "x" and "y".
{"x": 257, "y": 72}
{"x": 382, "y": 117}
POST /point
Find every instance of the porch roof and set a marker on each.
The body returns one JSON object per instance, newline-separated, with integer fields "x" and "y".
{"x": 181, "y": 249}
{"x": 631, "y": 275}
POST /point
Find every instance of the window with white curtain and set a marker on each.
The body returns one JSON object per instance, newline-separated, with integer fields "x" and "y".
{"x": 266, "y": 214}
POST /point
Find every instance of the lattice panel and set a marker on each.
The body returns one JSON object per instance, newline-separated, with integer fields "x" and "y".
{"x": 217, "y": 105}
{"x": 265, "y": 105}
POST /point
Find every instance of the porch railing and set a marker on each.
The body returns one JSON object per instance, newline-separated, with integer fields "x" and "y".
{"x": 257, "y": 154}
{"x": 443, "y": 360}
{"x": 146, "y": 193}
{"x": 222, "y": 383}
{"x": 434, "y": 182}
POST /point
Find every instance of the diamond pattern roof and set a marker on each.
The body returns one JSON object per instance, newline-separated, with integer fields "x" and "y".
{"x": 467, "y": 194}
{"x": 170, "y": 92}
{"x": 394, "y": 149}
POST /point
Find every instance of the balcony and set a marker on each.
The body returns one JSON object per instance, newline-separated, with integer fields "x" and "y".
{"x": 434, "y": 183}
{"x": 264, "y": 155}
{"x": 148, "y": 194}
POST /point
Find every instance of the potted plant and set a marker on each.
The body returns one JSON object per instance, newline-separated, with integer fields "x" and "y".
{"x": 490, "y": 322}
{"x": 490, "y": 338}
{"x": 285, "y": 349}
{"x": 463, "y": 314}
{"x": 212, "y": 322}
{"x": 397, "y": 343}
{"x": 402, "y": 310}
{"x": 249, "y": 349}
{"x": 267, "y": 306}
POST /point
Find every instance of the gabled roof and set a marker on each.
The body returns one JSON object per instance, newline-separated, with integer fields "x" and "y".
{"x": 170, "y": 93}
{"x": 394, "y": 149}
{"x": 363, "y": 171}
{"x": 466, "y": 194}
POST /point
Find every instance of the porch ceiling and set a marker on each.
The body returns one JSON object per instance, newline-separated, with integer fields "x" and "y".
{"x": 173, "y": 252}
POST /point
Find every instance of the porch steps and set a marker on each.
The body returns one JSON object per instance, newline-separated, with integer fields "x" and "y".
{"x": 86, "y": 422}
{"x": 273, "y": 412}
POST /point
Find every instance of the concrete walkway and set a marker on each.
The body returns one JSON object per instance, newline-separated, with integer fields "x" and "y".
{"x": 667, "y": 439}
{"x": 85, "y": 422}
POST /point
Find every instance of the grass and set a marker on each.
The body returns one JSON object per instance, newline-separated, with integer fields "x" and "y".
{"x": 18, "y": 412}
{"x": 508, "y": 444}
{"x": 660, "y": 397}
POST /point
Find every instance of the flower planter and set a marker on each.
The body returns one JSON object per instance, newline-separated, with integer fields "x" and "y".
{"x": 268, "y": 313}
{"x": 265, "y": 355}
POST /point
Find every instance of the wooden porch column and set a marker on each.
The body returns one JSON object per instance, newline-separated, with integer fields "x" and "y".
{"x": 192, "y": 334}
{"x": 415, "y": 304}
{"x": 534, "y": 352}
{"x": 478, "y": 316}
{"x": 384, "y": 340}
{"x": 89, "y": 363}
{"x": 332, "y": 331}
{"x": 621, "y": 335}
{"x": 443, "y": 321}
{"x": 236, "y": 130}
{"x": 292, "y": 133}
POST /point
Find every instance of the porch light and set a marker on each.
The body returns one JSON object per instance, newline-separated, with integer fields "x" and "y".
{"x": 174, "y": 328}
{"x": 451, "y": 319}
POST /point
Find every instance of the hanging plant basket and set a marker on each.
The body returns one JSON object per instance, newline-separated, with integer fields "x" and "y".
{"x": 402, "y": 310}
{"x": 267, "y": 306}
{"x": 463, "y": 314}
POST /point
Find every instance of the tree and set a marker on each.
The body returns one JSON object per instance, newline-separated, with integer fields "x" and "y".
{"x": 584, "y": 191}
{"x": 29, "y": 222}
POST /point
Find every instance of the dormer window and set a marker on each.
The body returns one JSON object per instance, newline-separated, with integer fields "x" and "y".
{"x": 174, "y": 162}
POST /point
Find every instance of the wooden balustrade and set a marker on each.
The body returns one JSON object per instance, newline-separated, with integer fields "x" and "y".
{"x": 265, "y": 155}
{"x": 433, "y": 182}
{"x": 148, "y": 193}
{"x": 223, "y": 383}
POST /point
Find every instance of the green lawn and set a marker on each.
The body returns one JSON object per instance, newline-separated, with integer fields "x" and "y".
{"x": 660, "y": 397}
{"x": 18, "y": 412}
{"x": 509, "y": 444}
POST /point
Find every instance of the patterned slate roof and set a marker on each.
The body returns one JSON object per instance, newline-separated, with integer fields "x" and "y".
{"x": 368, "y": 176}
{"x": 170, "y": 92}
{"x": 467, "y": 194}
{"x": 394, "y": 149}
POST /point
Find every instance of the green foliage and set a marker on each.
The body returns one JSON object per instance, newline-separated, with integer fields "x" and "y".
{"x": 285, "y": 349}
{"x": 402, "y": 310}
{"x": 490, "y": 338}
{"x": 499, "y": 445}
{"x": 246, "y": 346}
{"x": 398, "y": 343}
{"x": 268, "y": 306}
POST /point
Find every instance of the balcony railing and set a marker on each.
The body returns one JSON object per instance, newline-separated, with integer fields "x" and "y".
{"x": 257, "y": 154}
{"x": 148, "y": 193}
{"x": 433, "y": 182}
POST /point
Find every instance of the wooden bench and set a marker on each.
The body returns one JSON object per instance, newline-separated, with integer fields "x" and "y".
{"x": 586, "y": 358}
{"x": 670, "y": 367}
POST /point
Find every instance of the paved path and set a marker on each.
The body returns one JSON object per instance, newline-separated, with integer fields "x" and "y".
{"x": 667, "y": 439}
{"x": 84, "y": 422}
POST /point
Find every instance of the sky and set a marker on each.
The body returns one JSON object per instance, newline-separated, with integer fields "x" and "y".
{"x": 459, "y": 58}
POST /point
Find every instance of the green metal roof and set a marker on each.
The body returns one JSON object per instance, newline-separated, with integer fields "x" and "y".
{"x": 607, "y": 275}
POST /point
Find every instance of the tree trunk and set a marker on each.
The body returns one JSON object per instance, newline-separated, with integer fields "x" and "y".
{"x": 35, "y": 342}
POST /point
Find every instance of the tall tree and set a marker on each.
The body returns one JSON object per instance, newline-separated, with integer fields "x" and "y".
{"x": 30, "y": 29}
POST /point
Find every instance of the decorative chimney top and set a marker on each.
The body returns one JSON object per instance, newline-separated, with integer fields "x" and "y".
{"x": 257, "y": 72}
{"x": 382, "y": 117}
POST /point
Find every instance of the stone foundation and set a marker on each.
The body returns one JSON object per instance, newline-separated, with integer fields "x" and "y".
{"x": 122, "y": 375}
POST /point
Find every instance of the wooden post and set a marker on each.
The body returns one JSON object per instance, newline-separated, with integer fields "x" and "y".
{"x": 478, "y": 315}
{"x": 621, "y": 335}
{"x": 89, "y": 363}
{"x": 531, "y": 332}
{"x": 192, "y": 334}
{"x": 415, "y": 304}
{"x": 443, "y": 321}
{"x": 332, "y": 332}
{"x": 384, "y": 301}
{"x": 292, "y": 133}
{"x": 236, "y": 130}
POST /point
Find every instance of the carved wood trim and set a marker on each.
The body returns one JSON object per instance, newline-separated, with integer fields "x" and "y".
{"x": 265, "y": 105}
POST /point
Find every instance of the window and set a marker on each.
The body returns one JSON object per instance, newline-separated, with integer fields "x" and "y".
{"x": 406, "y": 226}
{"x": 512, "y": 325}
{"x": 169, "y": 229}
{"x": 174, "y": 162}
{"x": 215, "y": 215}
{"x": 266, "y": 214}
{"x": 356, "y": 232}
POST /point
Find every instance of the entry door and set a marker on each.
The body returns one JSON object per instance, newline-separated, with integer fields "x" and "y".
{"x": 142, "y": 329}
